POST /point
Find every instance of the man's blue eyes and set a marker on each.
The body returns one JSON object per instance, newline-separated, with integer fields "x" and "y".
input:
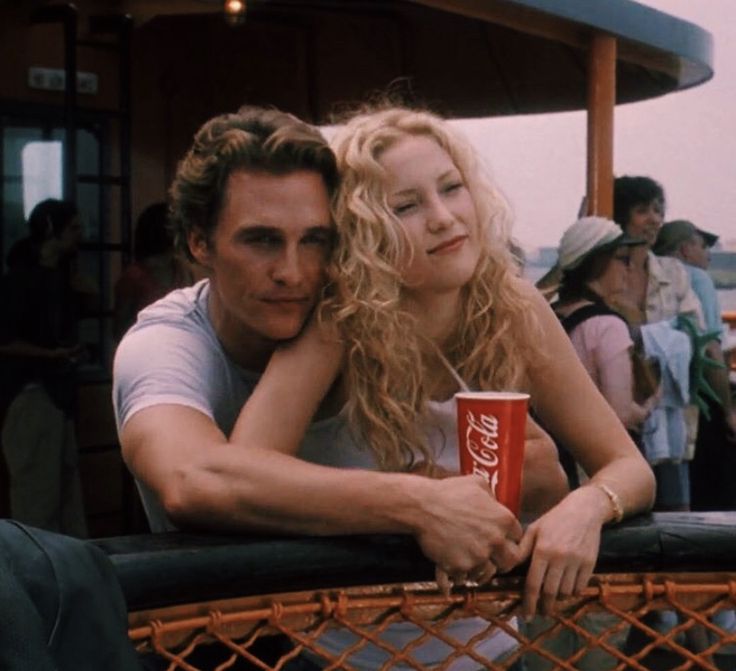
{"x": 321, "y": 239}
{"x": 265, "y": 240}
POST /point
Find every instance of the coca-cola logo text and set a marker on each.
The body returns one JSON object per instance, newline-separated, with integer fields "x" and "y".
{"x": 480, "y": 437}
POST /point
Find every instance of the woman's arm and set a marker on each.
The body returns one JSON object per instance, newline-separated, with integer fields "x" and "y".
{"x": 617, "y": 382}
{"x": 298, "y": 377}
{"x": 564, "y": 542}
{"x": 611, "y": 346}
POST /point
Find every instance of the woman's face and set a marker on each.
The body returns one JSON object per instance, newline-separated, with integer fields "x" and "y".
{"x": 615, "y": 277}
{"x": 427, "y": 193}
{"x": 645, "y": 220}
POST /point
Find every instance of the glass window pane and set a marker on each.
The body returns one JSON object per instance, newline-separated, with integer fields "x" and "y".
{"x": 42, "y": 173}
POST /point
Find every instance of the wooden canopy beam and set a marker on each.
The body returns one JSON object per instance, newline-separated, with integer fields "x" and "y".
{"x": 601, "y": 104}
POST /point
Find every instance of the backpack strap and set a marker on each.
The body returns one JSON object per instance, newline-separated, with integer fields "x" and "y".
{"x": 586, "y": 312}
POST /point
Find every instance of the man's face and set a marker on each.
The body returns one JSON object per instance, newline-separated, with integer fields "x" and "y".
{"x": 266, "y": 257}
{"x": 645, "y": 220}
{"x": 695, "y": 252}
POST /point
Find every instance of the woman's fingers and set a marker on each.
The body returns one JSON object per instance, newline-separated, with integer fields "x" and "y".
{"x": 533, "y": 586}
{"x": 550, "y": 581}
{"x": 583, "y": 578}
{"x": 443, "y": 581}
{"x": 551, "y": 588}
{"x": 569, "y": 581}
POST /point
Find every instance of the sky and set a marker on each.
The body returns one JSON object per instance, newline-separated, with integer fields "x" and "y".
{"x": 685, "y": 140}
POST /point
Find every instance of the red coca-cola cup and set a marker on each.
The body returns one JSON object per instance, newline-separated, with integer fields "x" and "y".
{"x": 491, "y": 426}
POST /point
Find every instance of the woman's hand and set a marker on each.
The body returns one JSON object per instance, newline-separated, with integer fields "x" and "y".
{"x": 563, "y": 545}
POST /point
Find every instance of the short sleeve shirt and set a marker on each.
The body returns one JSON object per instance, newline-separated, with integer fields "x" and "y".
{"x": 598, "y": 340}
{"x": 669, "y": 292}
{"x": 705, "y": 290}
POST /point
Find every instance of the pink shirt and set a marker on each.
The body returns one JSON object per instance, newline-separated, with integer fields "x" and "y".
{"x": 598, "y": 341}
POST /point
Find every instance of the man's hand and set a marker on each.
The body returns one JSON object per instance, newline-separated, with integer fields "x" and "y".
{"x": 466, "y": 532}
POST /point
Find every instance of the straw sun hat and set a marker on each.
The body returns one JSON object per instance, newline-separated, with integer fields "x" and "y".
{"x": 588, "y": 235}
{"x": 579, "y": 241}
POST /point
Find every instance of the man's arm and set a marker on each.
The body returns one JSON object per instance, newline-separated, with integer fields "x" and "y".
{"x": 251, "y": 480}
{"x": 544, "y": 483}
{"x": 205, "y": 481}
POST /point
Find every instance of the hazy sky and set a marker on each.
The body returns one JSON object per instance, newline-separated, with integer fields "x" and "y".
{"x": 685, "y": 140}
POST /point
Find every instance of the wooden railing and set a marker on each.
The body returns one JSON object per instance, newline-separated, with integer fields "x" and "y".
{"x": 663, "y": 596}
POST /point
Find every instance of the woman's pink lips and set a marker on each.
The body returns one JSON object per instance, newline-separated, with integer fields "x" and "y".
{"x": 448, "y": 246}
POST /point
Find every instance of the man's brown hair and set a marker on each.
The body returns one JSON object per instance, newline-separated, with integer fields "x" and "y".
{"x": 254, "y": 138}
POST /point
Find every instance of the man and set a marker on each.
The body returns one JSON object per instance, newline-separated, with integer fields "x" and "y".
{"x": 658, "y": 290}
{"x": 682, "y": 240}
{"x": 215, "y": 394}
{"x": 42, "y": 298}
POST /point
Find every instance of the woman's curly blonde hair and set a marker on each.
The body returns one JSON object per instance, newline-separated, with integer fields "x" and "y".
{"x": 387, "y": 357}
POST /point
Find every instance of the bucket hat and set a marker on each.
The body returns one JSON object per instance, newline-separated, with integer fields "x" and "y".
{"x": 588, "y": 235}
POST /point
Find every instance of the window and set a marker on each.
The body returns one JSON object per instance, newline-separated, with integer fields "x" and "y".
{"x": 32, "y": 160}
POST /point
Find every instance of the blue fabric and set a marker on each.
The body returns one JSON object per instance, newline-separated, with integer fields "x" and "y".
{"x": 61, "y": 606}
{"x": 673, "y": 485}
{"x": 705, "y": 290}
{"x": 664, "y": 432}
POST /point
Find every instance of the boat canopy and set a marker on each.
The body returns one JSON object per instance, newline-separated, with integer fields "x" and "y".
{"x": 463, "y": 58}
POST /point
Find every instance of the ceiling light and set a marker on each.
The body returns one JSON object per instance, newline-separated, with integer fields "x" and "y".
{"x": 234, "y": 12}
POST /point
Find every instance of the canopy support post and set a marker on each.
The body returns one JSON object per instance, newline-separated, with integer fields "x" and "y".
{"x": 601, "y": 102}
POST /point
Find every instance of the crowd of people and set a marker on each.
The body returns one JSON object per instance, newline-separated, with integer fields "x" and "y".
{"x": 302, "y": 386}
{"x": 644, "y": 317}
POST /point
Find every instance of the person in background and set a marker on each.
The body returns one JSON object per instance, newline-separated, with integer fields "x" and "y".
{"x": 155, "y": 271}
{"x": 26, "y": 252}
{"x": 658, "y": 291}
{"x": 39, "y": 352}
{"x": 659, "y": 287}
{"x": 594, "y": 258}
{"x": 682, "y": 240}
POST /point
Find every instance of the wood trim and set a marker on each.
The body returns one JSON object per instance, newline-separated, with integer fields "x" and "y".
{"x": 601, "y": 102}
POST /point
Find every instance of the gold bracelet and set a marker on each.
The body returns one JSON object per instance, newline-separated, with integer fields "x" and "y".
{"x": 615, "y": 499}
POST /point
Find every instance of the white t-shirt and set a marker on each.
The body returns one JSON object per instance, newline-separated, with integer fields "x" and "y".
{"x": 172, "y": 356}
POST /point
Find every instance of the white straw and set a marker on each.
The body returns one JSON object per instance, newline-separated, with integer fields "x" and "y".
{"x": 455, "y": 375}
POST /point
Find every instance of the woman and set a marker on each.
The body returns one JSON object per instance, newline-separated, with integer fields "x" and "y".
{"x": 594, "y": 257}
{"x": 423, "y": 273}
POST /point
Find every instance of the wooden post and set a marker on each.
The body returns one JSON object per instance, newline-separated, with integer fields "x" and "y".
{"x": 601, "y": 102}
